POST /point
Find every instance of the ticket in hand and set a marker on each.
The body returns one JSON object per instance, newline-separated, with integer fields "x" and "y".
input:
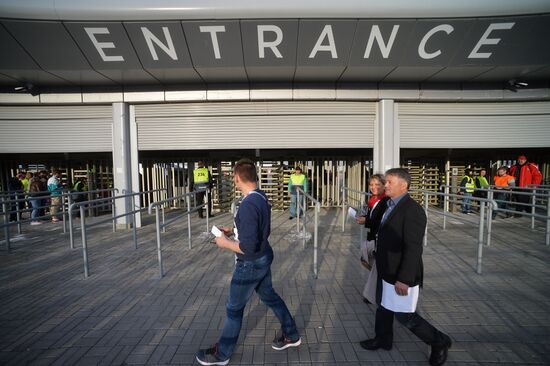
{"x": 217, "y": 232}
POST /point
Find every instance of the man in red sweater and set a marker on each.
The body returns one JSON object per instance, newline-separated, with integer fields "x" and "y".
{"x": 525, "y": 174}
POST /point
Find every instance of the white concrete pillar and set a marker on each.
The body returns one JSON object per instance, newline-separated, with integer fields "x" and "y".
{"x": 122, "y": 160}
{"x": 386, "y": 136}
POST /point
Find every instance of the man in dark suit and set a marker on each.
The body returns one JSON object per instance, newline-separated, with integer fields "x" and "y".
{"x": 399, "y": 262}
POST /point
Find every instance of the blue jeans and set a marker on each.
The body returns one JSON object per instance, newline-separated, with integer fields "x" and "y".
{"x": 293, "y": 202}
{"x": 466, "y": 202}
{"x": 250, "y": 276}
{"x": 36, "y": 203}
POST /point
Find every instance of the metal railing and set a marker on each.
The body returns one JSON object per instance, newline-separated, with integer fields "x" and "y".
{"x": 303, "y": 208}
{"x": 188, "y": 213}
{"x": 99, "y": 202}
{"x": 66, "y": 200}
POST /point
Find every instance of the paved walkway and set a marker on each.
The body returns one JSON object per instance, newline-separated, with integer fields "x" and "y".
{"x": 124, "y": 314}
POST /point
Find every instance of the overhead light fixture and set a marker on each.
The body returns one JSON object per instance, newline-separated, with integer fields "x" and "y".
{"x": 513, "y": 85}
{"x": 27, "y": 88}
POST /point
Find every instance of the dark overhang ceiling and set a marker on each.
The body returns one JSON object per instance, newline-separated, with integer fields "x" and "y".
{"x": 162, "y": 53}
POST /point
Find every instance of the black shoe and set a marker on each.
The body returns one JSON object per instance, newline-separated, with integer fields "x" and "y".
{"x": 282, "y": 342}
{"x": 209, "y": 356}
{"x": 439, "y": 353}
{"x": 375, "y": 343}
{"x": 291, "y": 217}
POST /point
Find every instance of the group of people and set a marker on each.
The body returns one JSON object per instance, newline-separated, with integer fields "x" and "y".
{"x": 395, "y": 224}
{"x": 42, "y": 191}
{"x": 521, "y": 175}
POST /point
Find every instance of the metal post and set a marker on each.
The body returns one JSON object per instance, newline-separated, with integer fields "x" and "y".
{"x": 315, "y": 235}
{"x": 304, "y": 223}
{"x": 159, "y": 251}
{"x": 426, "y": 211}
{"x": 207, "y": 209}
{"x": 343, "y": 209}
{"x": 298, "y": 211}
{"x": 64, "y": 213}
{"x": 18, "y": 213}
{"x": 113, "y": 210}
{"x": 489, "y": 216}
{"x": 134, "y": 229}
{"x": 533, "y": 208}
{"x": 445, "y": 208}
{"x": 84, "y": 243}
{"x": 480, "y": 237}
{"x": 189, "y": 220}
{"x": 71, "y": 232}
{"x": 6, "y": 223}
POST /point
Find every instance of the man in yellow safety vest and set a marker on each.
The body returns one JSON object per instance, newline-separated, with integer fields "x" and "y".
{"x": 468, "y": 186}
{"x": 202, "y": 179}
{"x": 297, "y": 179}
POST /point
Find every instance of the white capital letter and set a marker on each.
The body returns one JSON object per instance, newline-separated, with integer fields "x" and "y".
{"x": 99, "y": 46}
{"x": 486, "y": 40}
{"x": 331, "y": 47}
{"x": 168, "y": 49}
{"x": 213, "y": 30}
{"x": 376, "y": 34}
{"x": 422, "y": 46}
{"x": 262, "y": 44}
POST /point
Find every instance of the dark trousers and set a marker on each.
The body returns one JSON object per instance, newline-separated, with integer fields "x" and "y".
{"x": 523, "y": 199}
{"x": 200, "y": 201}
{"x": 383, "y": 326}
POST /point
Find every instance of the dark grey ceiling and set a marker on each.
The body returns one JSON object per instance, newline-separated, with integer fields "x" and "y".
{"x": 164, "y": 53}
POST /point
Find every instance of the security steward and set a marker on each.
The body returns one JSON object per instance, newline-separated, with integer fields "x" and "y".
{"x": 296, "y": 180}
{"x": 202, "y": 179}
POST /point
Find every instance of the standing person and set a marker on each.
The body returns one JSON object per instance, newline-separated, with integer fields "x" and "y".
{"x": 503, "y": 185}
{"x": 43, "y": 178}
{"x": 297, "y": 179}
{"x": 26, "y": 180}
{"x": 525, "y": 174}
{"x": 35, "y": 197}
{"x": 377, "y": 204}
{"x": 79, "y": 194}
{"x": 55, "y": 188}
{"x": 202, "y": 179}
{"x": 481, "y": 183}
{"x": 467, "y": 191}
{"x": 252, "y": 269}
{"x": 399, "y": 263}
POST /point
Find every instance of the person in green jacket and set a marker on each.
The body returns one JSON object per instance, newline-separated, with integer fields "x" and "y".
{"x": 481, "y": 183}
{"x": 297, "y": 179}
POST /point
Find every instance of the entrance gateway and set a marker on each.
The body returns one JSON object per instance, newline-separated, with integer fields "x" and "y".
{"x": 365, "y": 90}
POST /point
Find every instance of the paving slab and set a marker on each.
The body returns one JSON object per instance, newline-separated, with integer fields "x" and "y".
{"x": 125, "y": 314}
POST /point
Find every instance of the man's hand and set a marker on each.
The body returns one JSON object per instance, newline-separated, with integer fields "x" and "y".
{"x": 221, "y": 240}
{"x": 360, "y": 220}
{"x": 401, "y": 289}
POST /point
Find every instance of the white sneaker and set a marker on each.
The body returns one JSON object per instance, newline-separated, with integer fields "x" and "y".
{"x": 36, "y": 222}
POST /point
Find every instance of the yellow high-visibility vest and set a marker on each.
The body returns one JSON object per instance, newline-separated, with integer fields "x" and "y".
{"x": 297, "y": 180}
{"x": 200, "y": 175}
{"x": 470, "y": 185}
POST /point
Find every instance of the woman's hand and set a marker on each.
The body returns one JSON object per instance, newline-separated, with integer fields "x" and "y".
{"x": 360, "y": 220}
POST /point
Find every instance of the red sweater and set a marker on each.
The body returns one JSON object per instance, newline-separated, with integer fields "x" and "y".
{"x": 528, "y": 174}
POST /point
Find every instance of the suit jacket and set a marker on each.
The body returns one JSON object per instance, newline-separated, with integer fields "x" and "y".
{"x": 372, "y": 220}
{"x": 399, "y": 244}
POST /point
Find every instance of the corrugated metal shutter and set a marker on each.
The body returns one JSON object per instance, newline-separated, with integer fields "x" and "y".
{"x": 55, "y": 129}
{"x": 474, "y": 125}
{"x": 251, "y": 125}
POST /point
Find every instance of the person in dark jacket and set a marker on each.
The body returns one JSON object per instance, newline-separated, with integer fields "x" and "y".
{"x": 399, "y": 263}
{"x": 376, "y": 206}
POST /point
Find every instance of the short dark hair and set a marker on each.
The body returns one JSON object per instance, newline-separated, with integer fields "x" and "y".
{"x": 246, "y": 170}
{"x": 504, "y": 167}
{"x": 400, "y": 173}
{"x": 298, "y": 168}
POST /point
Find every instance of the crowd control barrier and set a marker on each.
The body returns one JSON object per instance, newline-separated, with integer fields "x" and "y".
{"x": 159, "y": 226}
{"x": 302, "y": 205}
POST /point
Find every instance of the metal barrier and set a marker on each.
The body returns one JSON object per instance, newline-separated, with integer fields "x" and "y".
{"x": 187, "y": 196}
{"x": 101, "y": 201}
{"x": 66, "y": 200}
{"x": 317, "y": 209}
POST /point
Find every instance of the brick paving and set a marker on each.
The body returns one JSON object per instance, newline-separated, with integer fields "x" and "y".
{"x": 123, "y": 314}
